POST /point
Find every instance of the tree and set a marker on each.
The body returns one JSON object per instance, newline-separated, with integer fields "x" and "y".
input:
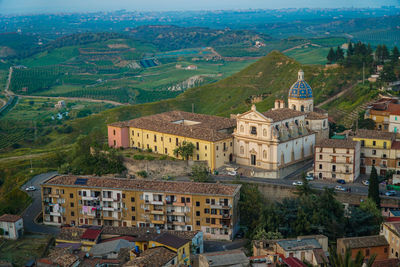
{"x": 395, "y": 55}
{"x": 373, "y": 188}
{"x": 251, "y": 205}
{"x": 337, "y": 260}
{"x": 261, "y": 234}
{"x": 331, "y": 56}
{"x": 388, "y": 74}
{"x": 185, "y": 150}
{"x": 200, "y": 174}
{"x": 350, "y": 50}
{"x": 304, "y": 189}
{"x": 339, "y": 54}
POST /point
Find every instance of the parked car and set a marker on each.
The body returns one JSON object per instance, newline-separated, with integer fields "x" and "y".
{"x": 297, "y": 183}
{"x": 232, "y": 173}
{"x": 390, "y": 193}
{"x": 340, "y": 188}
{"x": 30, "y": 188}
{"x": 341, "y": 181}
{"x": 309, "y": 177}
{"x": 365, "y": 182}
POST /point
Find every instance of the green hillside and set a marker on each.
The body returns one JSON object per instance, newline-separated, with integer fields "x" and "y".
{"x": 271, "y": 76}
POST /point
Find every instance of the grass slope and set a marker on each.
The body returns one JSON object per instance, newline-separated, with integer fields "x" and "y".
{"x": 272, "y": 75}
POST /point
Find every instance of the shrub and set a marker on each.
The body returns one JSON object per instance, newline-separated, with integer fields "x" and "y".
{"x": 149, "y": 150}
{"x": 138, "y": 157}
{"x": 148, "y": 157}
{"x": 142, "y": 174}
{"x": 163, "y": 157}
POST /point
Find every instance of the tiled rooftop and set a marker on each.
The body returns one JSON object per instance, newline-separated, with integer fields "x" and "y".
{"x": 316, "y": 116}
{"x": 337, "y": 143}
{"x": 147, "y": 185}
{"x": 170, "y": 240}
{"x": 185, "y": 124}
{"x": 301, "y": 244}
{"x": 373, "y": 134}
{"x": 364, "y": 241}
{"x": 153, "y": 257}
{"x": 282, "y": 114}
{"x": 70, "y": 233}
{"x": 9, "y": 218}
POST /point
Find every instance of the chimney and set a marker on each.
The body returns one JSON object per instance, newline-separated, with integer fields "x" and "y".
{"x": 277, "y": 104}
{"x": 282, "y": 103}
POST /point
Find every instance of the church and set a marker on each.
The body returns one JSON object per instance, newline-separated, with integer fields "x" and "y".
{"x": 277, "y": 142}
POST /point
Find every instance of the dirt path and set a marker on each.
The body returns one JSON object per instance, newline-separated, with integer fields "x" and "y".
{"x": 332, "y": 98}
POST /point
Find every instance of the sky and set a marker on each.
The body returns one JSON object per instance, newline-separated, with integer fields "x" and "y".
{"x": 39, "y": 6}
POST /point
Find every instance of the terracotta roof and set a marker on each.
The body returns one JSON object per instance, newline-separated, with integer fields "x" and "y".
{"x": 393, "y": 109}
{"x": 200, "y": 126}
{"x": 386, "y": 263}
{"x": 91, "y": 234}
{"x": 320, "y": 256}
{"x": 320, "y": 110}
{"x": 70, "y": 233}
{"x": 394, "y": 225}
{"x": 337, "y": 143}
{"x": 9, "y": 218}
{"x": 364, "y": 241}
{"x": 316, "y": 116}
{"x": 62, "y": 257}
{"x": 147, "y": 185}
{"x": 372, "y": 134}
{"x": 153, "y": 257}
{"x": 294, "y": 262}
{"x": 282, "y": 114}
{"x": 172, "y": 241}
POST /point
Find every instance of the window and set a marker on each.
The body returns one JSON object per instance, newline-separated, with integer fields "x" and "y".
{"x": 197, "y": 145}
{"x": 320, "y": 156}
{"x": 197, "y": 213}
{"x": 333, "y": 168}
{"x": 384, "y": 155}
{"x": 367, "y": 252}
{"x": 207, "y": 201}
{"x": 155, "y": 148}
{"x": 265, "y": 154}
{"x": 72, "y": 213}
{"x": 207, "y": 220}
{"x": 198, "y": 223}
{"x": 373, "y": 152}
{"x": 373, "y": 162}
{"x": 302, "y": 108}
{"x": 385, "y": 250}
{"x": 114, "y": 132}
{"x": 71, "y": 204}
{"x": 177, "y": 142}
{"x": 198, "y": 157}
{"x": 187, "y": 200}
{"x": 166, "y": 151}
{"x": 133, "y": 209}
{"x": 205, "y": 147}
{"x": 155, "y": 138}
{"x": 216, "y": 148}
{"x": 374, "y": 143}
{"x": 148, "y": 147}
{"x": 230, "y": 144}
{"x": 253, "y": 130}
{"x": 324, "y": 123}
{"x": 138, "y": 134}
{"x": 198, "y": 202}
{"x": 147, "y": 136}
{"x": 320, "y": 166}
{"x": 132, "y": 199}
{"x": 115, "y": 143}
{"x": 133, "y": 218}
{"x": 212, "y": 220}
{"x": 206, "y": 211}
{"x": 71, "y": 195}
{"x": 133, "y": 132}
{"x": 123, "y": 195}
{"x": 362, "y": 143}
{"x": 384, "y": 144}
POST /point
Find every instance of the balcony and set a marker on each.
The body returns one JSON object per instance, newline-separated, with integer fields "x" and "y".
{"x": 108, "y": 208}
{"x": 215, "y": 225}
{"x": 178, "y": 223}
{"x": 218, "y": 216}
{"x": 159, "y": 212}
{"x": 53, "y": 213}
{"x": 110, "y": 199}
{"x": 54, "y": 195}
{"x": 178, "y": 204}
{"x": 226, "y": 216}
{"x": 157, "y": 221}
{"x": 89, "y": 198}
{"x": 157, "y": 202}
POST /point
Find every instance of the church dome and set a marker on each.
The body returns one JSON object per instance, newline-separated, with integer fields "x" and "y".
{"x": 300, "y": 89}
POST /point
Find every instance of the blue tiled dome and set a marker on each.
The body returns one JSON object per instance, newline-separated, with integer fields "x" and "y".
{"x": 300, "y": 89}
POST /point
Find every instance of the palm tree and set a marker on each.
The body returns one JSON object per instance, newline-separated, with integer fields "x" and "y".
{"x": 337, "y": 260}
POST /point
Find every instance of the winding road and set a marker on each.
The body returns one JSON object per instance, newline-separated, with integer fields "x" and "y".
{"x": 32, "y": 212}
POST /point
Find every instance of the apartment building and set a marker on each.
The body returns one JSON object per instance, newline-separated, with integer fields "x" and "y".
{"x": 367, "y": 245}
{"x": 381, "y": 112}
{"x": 182, "y": 206}
{"x": 391, "y": 231}
{"x": 162, "y": 133}
{"x": 337, "y": 159}
{"x": 377, "y": 149}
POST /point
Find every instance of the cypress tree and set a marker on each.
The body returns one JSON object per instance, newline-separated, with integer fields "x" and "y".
{"x": 373, "y": 188}
{"x": 331, "y": 56}
{"x": 350, "y": 49}
{"x": 395, "y": 55}
{"x": 339, "y": 54}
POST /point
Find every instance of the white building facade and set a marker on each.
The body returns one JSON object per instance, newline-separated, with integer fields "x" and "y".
{"x": 11, "y": 226}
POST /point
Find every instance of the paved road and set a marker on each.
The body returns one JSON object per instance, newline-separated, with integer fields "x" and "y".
{"x": 35, "y": 208}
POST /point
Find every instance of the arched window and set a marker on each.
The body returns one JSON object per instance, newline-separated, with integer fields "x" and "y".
{"x": 241, "y": 128}
{"x": 320, "y": 175}
{"x": 265, "y": 132}
{"x": 294, "y": 107}
{"x": 265, "y": 154}
{"x": 302, "y": 108}
{"x": 241, "y": 150}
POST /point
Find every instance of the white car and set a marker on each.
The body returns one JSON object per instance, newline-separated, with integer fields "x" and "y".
{"x": 297, "y": 183}
{"x": 340, "y": 188}
{"x": 30, "y": 188}
{"x": 365, "y": 182}
{"x": 232, "y": 173}
{"x": 309, "y": 177}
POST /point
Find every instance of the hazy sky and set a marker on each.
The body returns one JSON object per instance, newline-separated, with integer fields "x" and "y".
{"x": 34, "y": 6}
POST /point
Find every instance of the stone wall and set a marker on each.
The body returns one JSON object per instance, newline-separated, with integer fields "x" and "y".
{"x": 160, "y": 168}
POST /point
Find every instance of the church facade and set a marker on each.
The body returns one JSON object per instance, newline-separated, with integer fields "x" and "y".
{"x": 276, "y": 142}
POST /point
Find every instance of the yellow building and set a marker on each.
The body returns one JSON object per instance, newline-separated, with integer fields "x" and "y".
{"x": 181, "y": 206}
{"x": 391, "y": 231}
{"x": 377, "y": 149}
{"x": 174, "y": 243}
{"x": 162, "y": 133}
{"x": 84, "y": 238}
